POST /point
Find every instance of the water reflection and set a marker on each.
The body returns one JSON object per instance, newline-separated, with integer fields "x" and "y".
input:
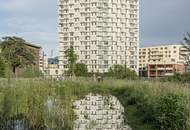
{"x": 51, "y": 117}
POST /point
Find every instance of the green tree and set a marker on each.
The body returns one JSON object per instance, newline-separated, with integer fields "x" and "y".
{"x": 186, "y": 44}
{"x": 15, "y": 53}
{"x": 121, "y": 72}
{"x": 72, "y": 58}
{"x": 81, "y": 69}
{"x": 2, "y": 67}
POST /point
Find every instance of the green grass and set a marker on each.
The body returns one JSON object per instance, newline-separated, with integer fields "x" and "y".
{"x": 28, "y": 97}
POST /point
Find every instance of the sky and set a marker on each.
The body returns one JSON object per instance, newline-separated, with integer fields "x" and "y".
{"x": 161, "y": 21}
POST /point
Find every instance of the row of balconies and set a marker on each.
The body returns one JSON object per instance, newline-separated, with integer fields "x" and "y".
{"x": 72, "y": 28}
{"x": 109, "y": 19}
{"x": 100, "y": 7}
{"x": 106, "y": 61}
{"x": 99, "y": 32}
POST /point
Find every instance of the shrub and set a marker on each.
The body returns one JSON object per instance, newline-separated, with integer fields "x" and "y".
{"x": 31, "y": 72}
{"x": 184, "y": 78}
{"x": 171, "y": 112}
{"x": 81, "y": 69}
{"x": 121, "y": 72}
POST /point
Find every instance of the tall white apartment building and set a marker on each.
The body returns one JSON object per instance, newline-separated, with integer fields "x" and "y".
{"x": 163, "y": 54}
{"x": 102, "y": 32}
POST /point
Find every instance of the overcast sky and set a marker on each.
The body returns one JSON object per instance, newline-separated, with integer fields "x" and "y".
{"x": 161, "y": 21}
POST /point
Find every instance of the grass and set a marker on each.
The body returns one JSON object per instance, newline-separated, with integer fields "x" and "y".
{"x": 29, "y": 97}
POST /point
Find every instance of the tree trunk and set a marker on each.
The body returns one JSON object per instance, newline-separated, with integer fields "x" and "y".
{"x": 14, "y": 71}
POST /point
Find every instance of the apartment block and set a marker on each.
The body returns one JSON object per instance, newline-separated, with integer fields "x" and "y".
{"x": 102, "y": 32}
{"x": 162, "y": 60}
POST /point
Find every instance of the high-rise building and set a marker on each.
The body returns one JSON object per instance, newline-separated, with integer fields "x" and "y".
{"x": 102, "y": 32}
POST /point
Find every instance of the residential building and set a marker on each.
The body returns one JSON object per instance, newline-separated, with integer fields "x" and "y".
{"x": 42, "y": 61}
{"x": 102, "y": 32}
{"x": 51, "y": 68}
{"x": 53, "y": 71}
{"x": 37, "y": 51}
{"x": 162, "y": 70}
{"x": 166, "y": 59}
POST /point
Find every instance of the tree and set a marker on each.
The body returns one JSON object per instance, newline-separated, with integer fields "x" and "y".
{"x": 72, "y": 58}
{"x": 81, "y": 69}
{"x": 2, "y": 65}
{"x": 15, "y": 53}
{"x": 121, "y": 72}
{"x": 186, "y": 45}
{"x": 2, "y": 68}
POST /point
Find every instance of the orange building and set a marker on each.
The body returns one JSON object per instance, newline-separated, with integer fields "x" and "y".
{"x": 161, "y": 70}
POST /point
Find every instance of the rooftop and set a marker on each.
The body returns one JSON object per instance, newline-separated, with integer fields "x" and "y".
{"x": 162, "y": 45}
{"x": 33, "y": 45}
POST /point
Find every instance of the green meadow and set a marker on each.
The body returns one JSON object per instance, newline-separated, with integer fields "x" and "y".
{"x": 38, "y": 104}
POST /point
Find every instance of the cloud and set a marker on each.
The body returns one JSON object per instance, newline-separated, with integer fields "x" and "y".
{"x": 34, "y": 20}
{"x": 24, "y": 23}
{"x": 20, "y": 5}
{"x": 164, "y": 22}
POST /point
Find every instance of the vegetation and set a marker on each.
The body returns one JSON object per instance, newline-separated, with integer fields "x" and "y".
{"x": 15, "y": 53}
{"x": 41, "y": 104}
{"x": 72, "y": 58}
{"x": 2, "y": 67}
{"x": 183, "y": 78}
{"x": 122, "y": 72}
{"x": 81, "y": 70}
{"x": 31, "y": 72}
{"x": 186, "y": 44}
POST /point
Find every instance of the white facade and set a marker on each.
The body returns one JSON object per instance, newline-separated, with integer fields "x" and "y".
{"x": 97, "y": 112}
{"x": 102, "y": 32}
{"x": 163, "y": 54}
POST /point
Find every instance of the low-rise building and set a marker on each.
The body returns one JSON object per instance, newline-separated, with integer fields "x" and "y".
{"x": 161, "y": 70}
{"x": 51, "y": 68}
{"x": 53, "y": 71}
{"x": 33, "y": 49}
{"x": 37, "y": 51}
{"x": 162, "y": 57}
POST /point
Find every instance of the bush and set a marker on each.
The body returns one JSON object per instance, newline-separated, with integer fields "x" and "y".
{"x": 184, "y": 78}
{"x": 121, "y": 72}
{"x": 31, "y": 72}
{"x": 166, "y": 111}
{"x": 81, "y": 70}
{"x": 171, "y": 112}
